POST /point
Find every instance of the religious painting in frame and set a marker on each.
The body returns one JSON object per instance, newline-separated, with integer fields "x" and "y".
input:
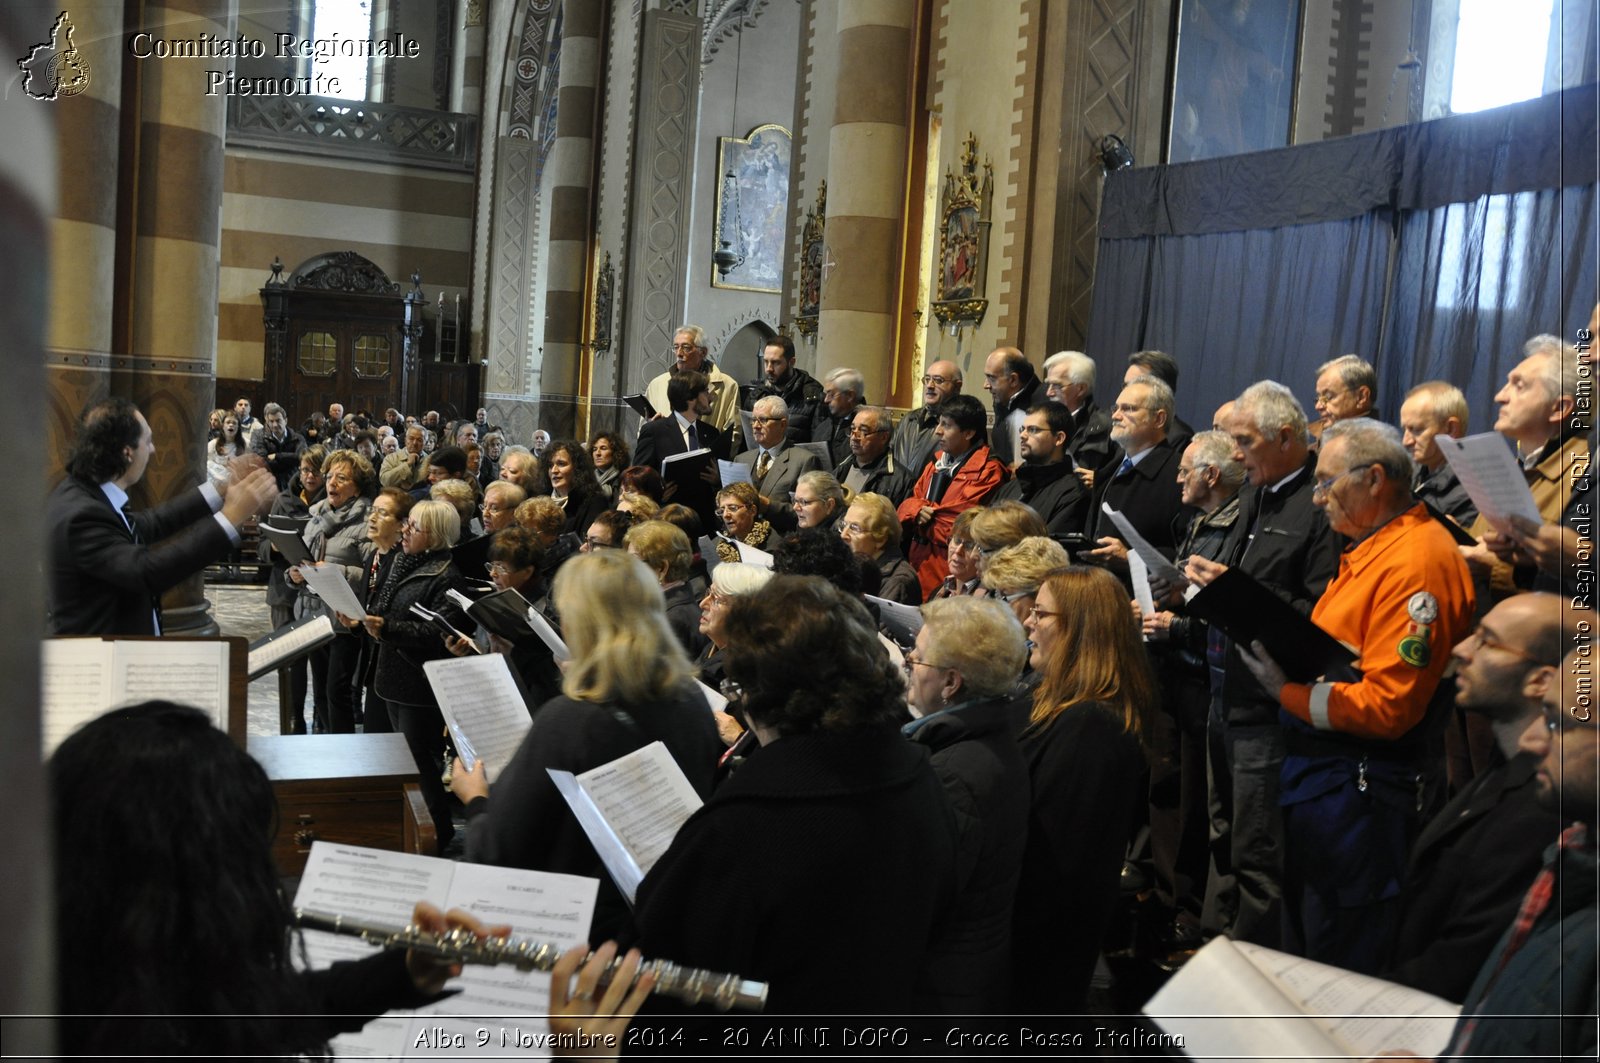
{"x": 1233, "y": 87}
{"x": 812, "y": 256}
{"x": 964, "y": 239}
{"x": 756, "y": 217}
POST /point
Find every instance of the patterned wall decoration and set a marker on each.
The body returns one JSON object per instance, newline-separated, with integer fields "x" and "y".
{"x": 666, "y": 130}
{"x": 527, "y": 79}
{"x": 1115, "y": 84}
{"x": 724, "y": 18}
{"x": 512, "y": 254}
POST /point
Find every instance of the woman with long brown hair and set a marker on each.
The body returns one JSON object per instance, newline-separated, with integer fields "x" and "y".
{"x": 1084, "y": 747}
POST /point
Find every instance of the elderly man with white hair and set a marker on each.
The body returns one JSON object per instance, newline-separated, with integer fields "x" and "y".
{"x": 775, "y": 468}
{"x": 1069, "y": 380}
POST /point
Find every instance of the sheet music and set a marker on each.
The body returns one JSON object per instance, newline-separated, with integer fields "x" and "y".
{"x": 745, "y": 427}
{"x": 752, "y": 555}
{"x": 1139, "y": 576}
{"x": 903, "y": 621}
{"x": 328, "y": 583}
{"x": 481, "y": 702}
{"x": 708, "y": 554}
{"x": 82, "y": 679}
{"x": 443, "y": 625}
{"x": 631, "y": 810}
{"x": 507, "y": 1004}
{"x": 548, "y": 634}
{"x": 286, "y": 541}
{"x": 1157, "y": 566}
{"x": 267, "y": 656}
{"x": 672, "y": 459}
{"x": 734, "y": 472}
{"x": 714, "y": 698}
{"x": 1493, "y": 478}
{"x": 820, "y": 449}
{"x": 74, "y": 686}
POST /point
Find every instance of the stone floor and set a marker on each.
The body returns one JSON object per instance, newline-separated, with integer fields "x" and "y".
{"x": 241, "y": 609}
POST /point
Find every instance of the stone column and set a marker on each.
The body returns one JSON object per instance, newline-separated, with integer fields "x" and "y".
{"x": 570, "y": 172}
{"x": 83, "y": 230}
{"x": 169, "y": 368}
{"x": 466, "y": 56}
{"x": 665, "y": 130}
{"x": 866, "y": 189}
{"x": 30, "y": 210}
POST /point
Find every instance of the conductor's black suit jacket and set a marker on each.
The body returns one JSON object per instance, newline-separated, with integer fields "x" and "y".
{"x": 104, "y": 579}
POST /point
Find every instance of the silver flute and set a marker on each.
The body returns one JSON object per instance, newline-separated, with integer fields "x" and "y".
{"x": 688, "y": 984}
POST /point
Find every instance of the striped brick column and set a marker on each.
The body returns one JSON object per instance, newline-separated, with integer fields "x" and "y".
{"x": 28, "y": 203}
{"x": 569, "y": 175}
{"x": 83, "y": 228}
{"x": 866, "y": 188}
{"x": 466, "y": 56}
{"x": 169, "y": 367}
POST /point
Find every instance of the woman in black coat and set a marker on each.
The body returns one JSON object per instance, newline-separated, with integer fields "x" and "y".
{"x": 421, "y": 574}
{"x": 1084, "y": 747}
{"x": 628, "y": 684}
{"x": 295, "y": 502}
{"x": 833, "y": 838}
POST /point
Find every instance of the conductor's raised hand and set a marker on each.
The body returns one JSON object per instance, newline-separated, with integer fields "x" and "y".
{"x": 247, "y": 497}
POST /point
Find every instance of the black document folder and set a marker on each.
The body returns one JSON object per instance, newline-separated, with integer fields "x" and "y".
{"x": 1248, "y": 612}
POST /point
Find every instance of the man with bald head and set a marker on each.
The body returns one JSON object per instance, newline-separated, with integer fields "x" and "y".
{"x": 914, "y": 440}
{"x": 1009, "y": 377}
{"x": 1472, "y": 862}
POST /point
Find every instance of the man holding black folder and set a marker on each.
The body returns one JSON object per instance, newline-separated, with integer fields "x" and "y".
{"x": 1283, "y": 542}
{"x": 1363, "y": 757}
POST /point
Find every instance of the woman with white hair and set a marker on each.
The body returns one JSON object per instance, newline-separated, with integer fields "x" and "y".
{"x": 961, "y": 676}
{"x": 729, "y": 580}
{"x": 628, "y": 684}
{"x": 421, "y": 575}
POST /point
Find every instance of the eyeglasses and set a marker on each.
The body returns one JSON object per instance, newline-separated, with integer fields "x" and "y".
{"x": 1322, "y": 487}
{"x": 1017, "y": 596}
{"x": 766, "y": 420}
{"x": 498, "y": 568}
{"x": 410, "y": 525}
{"x": 731, "y": 508}
{"x": 1034, "y": 430}
{"x": 1480, "y": 639}
{"x": 715, "y": 597}
{"x": 935, "y": 380}
{"x": 685, "y": 346}
{"x": 1037, "y": 614}
{"x": 912, "y": 660}
{"x": 857, "y": 430}
{"x": 1560, "y": 721}
{"x": 853, "y": 528}
{"x": 595, "y": 544}
{"x": 1325, "y": 397}
{"x": 805, "y": 502}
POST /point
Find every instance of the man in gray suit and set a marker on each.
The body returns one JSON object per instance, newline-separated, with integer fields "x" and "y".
{"x": 775, "y": 467}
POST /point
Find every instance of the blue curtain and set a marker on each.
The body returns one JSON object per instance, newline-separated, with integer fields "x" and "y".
{"x": 1432, "y": 250}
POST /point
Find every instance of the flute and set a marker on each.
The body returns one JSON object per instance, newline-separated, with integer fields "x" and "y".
{"x": 688, "y": 984}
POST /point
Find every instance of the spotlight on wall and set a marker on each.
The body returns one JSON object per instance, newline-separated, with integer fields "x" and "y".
{"x": 1114, "y": 154}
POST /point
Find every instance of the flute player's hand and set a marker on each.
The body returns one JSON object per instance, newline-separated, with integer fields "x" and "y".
{"x": 583, "y": 1006}
{"x": 430, "y": 973}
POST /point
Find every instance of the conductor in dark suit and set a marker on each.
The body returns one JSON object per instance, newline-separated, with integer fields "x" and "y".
{"x": 109, "y": 564}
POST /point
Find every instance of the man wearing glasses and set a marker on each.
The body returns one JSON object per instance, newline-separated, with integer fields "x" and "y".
{"x": 1359, "y": 766}
{"x": 841, "y": 397}
{"x": 1471, "y": 864}
{"x": 1044, "y": 479}
{"x": 1347, "y": 387}
{"x": 774, "y": 466}
{"x": 871, "y": 466}
{"x": 689, "y": 354}
{"x": 1535, "y": 996}
{"x": 914, "y": 437}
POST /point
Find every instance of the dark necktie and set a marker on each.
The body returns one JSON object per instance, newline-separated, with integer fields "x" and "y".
{"x": 763, "y": 464}
{"x": 1125, "y": 468}
{"x": 694, "y": 437}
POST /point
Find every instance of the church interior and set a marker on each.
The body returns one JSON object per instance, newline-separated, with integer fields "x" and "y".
{"x": 515, "y": 204}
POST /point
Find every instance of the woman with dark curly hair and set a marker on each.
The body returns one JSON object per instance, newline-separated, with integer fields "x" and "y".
{"x": 835, "y": 802}
{"x": 610, "y": 455}
{"x": 176, "y": 943}
{"x": 572, "y": 483}
{"x": 1084, "y": 746}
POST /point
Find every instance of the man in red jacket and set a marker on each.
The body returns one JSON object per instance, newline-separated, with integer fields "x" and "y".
{"x": 962, "y": 474}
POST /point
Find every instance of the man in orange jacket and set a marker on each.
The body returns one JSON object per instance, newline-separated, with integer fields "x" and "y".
{"x": 1364, "y": 758}
{"x": 962, "y": 474}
